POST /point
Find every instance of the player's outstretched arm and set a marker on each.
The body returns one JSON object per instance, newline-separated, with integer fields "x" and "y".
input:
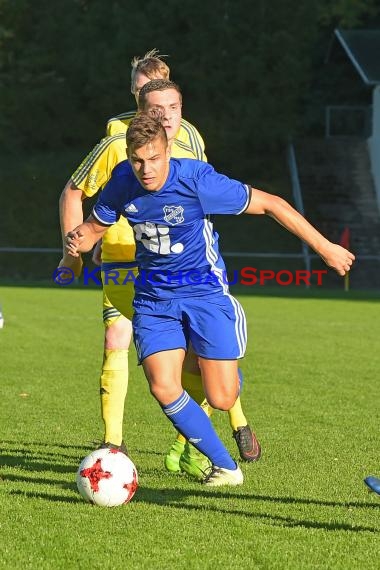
{"x": 335, "y": 256}
{"x": 84, "y": 237}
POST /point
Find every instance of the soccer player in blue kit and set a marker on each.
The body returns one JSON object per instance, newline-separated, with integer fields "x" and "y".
{"x": 181, "y": 294}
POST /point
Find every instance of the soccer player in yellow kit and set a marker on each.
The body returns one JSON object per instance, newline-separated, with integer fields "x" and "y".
{"x": 118, "y": 250}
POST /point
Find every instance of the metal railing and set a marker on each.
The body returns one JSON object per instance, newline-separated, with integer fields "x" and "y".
{"x": 297, "y": 196}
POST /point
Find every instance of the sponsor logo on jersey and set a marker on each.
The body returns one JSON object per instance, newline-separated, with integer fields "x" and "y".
{"x": 131, "y": 209}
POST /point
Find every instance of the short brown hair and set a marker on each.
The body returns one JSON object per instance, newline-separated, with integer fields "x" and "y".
{"x": 142, "y": 130}
{"x": 156, "y": 85}
{"x": 151, "y": 65}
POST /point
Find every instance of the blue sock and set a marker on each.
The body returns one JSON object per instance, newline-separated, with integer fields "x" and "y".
{"x": 191, "y": 421}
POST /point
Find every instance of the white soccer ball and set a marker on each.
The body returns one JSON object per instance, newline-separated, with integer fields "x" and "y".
{"x": 107, "y": 478}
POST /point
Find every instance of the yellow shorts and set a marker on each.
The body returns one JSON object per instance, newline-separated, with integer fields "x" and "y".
{"x": 118, "y": 293}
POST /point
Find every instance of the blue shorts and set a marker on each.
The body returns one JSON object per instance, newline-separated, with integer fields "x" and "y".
{"x": 215, "y": 325}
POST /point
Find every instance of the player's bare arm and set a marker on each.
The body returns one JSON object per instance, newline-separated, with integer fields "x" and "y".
{"x": 70, "y": 208}
{"x": 84, "y": 237}
{"x": 335, "y": 256}
{"x": 71, "y": 216}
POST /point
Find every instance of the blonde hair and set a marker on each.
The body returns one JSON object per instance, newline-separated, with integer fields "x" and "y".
{"x": 151, "y": 65}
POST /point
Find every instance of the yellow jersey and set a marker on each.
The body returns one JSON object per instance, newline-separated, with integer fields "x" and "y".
{"x": 187, "y": 133}
{"x": 95, "y": 170}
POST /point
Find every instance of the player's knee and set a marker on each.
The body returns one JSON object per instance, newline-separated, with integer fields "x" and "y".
{"x": 162, "y": 393}
{"x": 164, "y": 390}
{"x": 223, "y": 400}
{"x": 119, "y": 333}
{"x": 156, "y": 392}
{"x": 222, "y": 405}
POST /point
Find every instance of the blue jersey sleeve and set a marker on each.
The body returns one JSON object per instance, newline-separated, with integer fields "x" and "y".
{"x": 219, "y": 194}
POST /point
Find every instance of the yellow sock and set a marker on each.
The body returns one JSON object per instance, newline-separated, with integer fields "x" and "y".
{"x": 236, "y": 415}
{"x": 113, "y": 390}
{"x": 192, "y": 383}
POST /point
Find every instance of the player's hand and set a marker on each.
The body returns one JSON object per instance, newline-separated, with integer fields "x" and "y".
{"x": 338, "y": 258}
{"x": 73, "y": 240}
{"x": 73, "y": 263}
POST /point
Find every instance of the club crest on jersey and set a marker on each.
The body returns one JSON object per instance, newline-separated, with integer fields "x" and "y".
{"x": 173, "y": 215}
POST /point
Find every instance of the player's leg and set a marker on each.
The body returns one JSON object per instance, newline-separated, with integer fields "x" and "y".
{"x": 118, "y": 284}
{"x": 246, "y": 440}
{"x": 161, "y": 342}
{"x": 222, "y": 320}
{"x": 114, "y": 378}
{"x": 220, "y": 382}
{"x": 192, "y": 461}
{"x": 117, "y": 299}
{"x": 182, "y": 456}
{"x": 162, "y": 370}
{"x": 221, "y": 385}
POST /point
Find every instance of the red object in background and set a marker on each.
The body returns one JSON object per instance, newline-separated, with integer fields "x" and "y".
{"x": 345, "y": 238}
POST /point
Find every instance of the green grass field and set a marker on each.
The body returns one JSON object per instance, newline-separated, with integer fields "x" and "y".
{"x": 312, "y": 394}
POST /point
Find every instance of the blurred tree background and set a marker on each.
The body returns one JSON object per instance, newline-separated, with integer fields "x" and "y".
{"x": 252, "y": 74}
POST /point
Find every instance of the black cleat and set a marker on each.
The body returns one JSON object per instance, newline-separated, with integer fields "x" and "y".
{"x": 248, "y": 444}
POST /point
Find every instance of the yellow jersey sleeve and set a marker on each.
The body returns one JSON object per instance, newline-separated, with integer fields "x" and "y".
{"x": 93, "y": 174}
{"x": 182, "y": 150}
{"x": 95, "y": 170}
{"x": 119, "y": 124}
{"x": 189, "y": 135}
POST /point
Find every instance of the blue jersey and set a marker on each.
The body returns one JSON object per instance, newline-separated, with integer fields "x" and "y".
{"x": 176, "y": 247}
